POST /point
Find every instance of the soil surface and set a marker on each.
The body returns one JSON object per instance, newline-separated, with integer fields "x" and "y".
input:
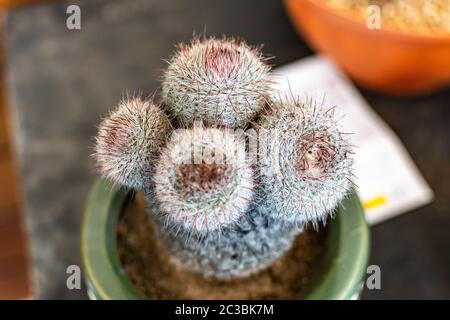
{"x": 147, "y": 265}
{"x": 412, "y": 16}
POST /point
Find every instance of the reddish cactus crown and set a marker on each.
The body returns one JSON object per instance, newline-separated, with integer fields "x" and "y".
{"x": 221, "y": 62}
{"x": 199, "y": 179}
{"x": 316, "y": 157}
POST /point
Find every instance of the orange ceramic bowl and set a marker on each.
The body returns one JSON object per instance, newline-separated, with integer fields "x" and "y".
{"x": 384, "y": 60}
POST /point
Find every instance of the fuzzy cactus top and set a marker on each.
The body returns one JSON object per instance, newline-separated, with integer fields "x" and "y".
{"x": 307, "y": 169}
{"x": 221, "y": 207}
{"x": 204, "y": 180}
{"x": 128, "y": 141}
{"x": 218, "y": 81}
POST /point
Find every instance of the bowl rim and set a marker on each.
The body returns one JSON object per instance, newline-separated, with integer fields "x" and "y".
{"x": 354, "y": 22}
{"x": 340, "y": 276}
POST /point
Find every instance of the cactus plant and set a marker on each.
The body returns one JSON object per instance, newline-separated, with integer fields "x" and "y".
{"x": 221, "y": 208}
{"x": 307, "y": 167}
{"x": 222, "y": 82}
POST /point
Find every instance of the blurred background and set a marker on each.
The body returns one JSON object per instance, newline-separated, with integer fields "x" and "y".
{"x": 56, "y": 82}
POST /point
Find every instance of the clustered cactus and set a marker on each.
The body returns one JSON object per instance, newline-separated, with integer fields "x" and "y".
{"x": 226, "y": 202}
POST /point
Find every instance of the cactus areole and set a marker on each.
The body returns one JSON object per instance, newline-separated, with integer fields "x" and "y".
{"x": 222, "y": 208}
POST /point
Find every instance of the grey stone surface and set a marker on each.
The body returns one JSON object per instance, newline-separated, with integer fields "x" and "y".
{"x": 62, "y": 81}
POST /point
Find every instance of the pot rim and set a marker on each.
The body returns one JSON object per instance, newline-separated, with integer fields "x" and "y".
{"x": 342, "y": 270}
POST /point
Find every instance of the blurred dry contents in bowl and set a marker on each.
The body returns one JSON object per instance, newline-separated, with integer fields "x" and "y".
{"x": 430, "y": 17}
{"x": 406, "y": 53}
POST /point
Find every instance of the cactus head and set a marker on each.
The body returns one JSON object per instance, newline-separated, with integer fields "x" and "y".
{"x": 308, "y": 166}
{"x": 128, "y": 140}
{"x": 203, "y": 180}
{"x": 221, "y": 82}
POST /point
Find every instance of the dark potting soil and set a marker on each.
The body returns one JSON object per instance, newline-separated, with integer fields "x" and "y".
{"x": 147, "y": 265}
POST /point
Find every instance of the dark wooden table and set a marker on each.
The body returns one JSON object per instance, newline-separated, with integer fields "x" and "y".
{"x": 61, "y": 81}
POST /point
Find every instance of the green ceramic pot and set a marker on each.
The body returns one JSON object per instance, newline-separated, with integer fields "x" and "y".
{"x": 340, "y": 277}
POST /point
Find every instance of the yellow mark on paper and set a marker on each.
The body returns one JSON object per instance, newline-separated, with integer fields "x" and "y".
{"x": 375, "y": 202}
